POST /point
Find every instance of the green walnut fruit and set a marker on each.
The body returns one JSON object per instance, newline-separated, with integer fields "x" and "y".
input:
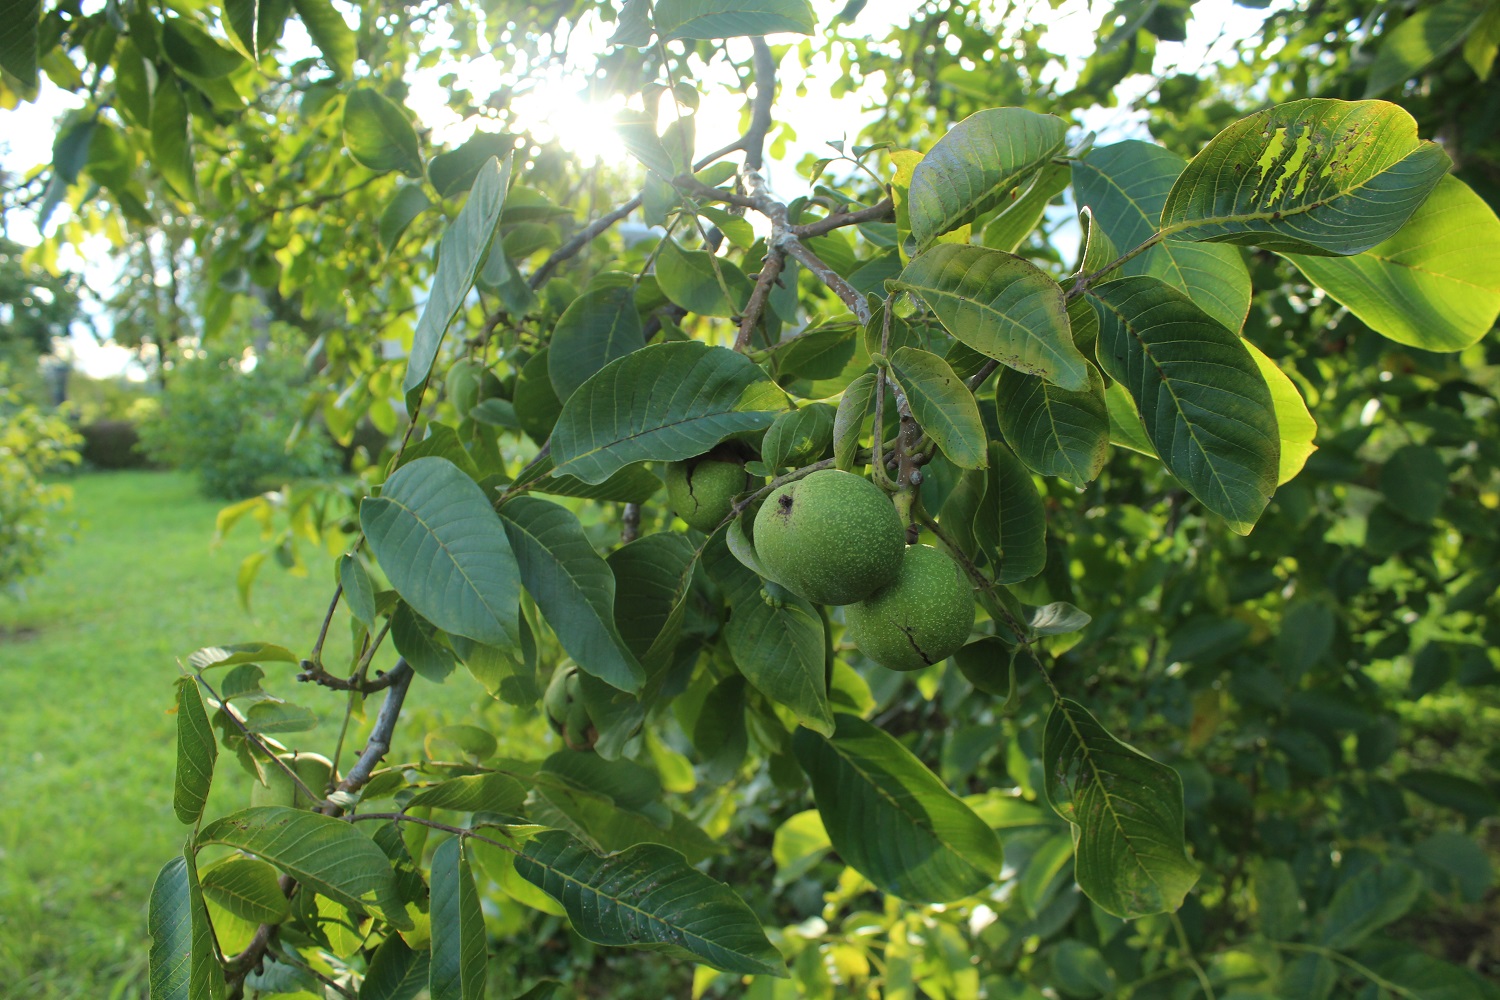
{"x": 832, "y": 538}
{"x": 702, "y": 490}
{"x": 566, "y": 711}
{"x": 280, "y": 790}
{"x": 920, "y": 618}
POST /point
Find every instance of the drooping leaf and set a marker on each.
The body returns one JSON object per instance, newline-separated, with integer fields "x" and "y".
{"x": 1318, "y": 176}
{"x": 462, "y": 251}
{"x": 235, "y": 653}
{"x": 455, "y": 172}
{"x": 196, "y": 753}
{"x": 1001, "y": 306}
{"x": 1012, "y": 224}
{"x": 19, "y": 39}
{"x": 708, "y": 19}
{"x": 1126, "y": 186}
{"x": 326, "y": 854}
{"x": 942, "y": 404}
{"x": 459, "y": 961}
{"x": 172, "y": 137}
{"x": 248, "y": 888}
{"x": 594, "y": 818}
{"x": 662, "y": 403}
{"x": 1010, "y": 522}
{"x": 255, "y": 24}
{"x": 1054, "y": 431}
{"x": 780, "y": 646}
{"x": 379, "y": 135}
{"x": 410, "y": 201}
{"x": 978, "y": 166}
{"x": 599, "y": 326}
{"x": 849, "y": 420}
{"x": 396, "y": 972}
{"x": 634, "y": 483}
{"x": 1206, "y": 407}
{"x": 196, "y": 52}
{"x": 648, "y": 897}
{"x": 498, "y": 793}
{"x": 1127, "y": 815}
{"x": 1417, "y": 42}
{"x": 652, "y": 579}
{"x": 892, "y": 820}
{"x": 181, "y": 961}
{"x": 697, "y": 281}
{"x": 1369, "y": 901}
{"x": 573, "y": 586}
{"x": 358, "y": 589}
{"x": 1294, "y": 424}
{"x": 633, "y": 27}
{"x": 798, "y": 437}
{"x": 1435, "y": 284}
{"x": 445, "y": 551}
{"x": 331, "y": 34}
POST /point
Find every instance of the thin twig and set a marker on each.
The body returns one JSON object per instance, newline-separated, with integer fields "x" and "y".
{"x": 765, "y": 282}
{"x": 848, "y": 293}
{"x": 879, "y": 212}
{"x": 1084, "y": 281}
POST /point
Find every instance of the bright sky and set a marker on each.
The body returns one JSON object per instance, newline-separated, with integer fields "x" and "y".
{"x": 558, "y": 107}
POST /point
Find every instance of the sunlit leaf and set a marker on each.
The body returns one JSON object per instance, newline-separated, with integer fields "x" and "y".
{"x": 1318, "y": 176}
{"x": 707, "y": 19}
{"x": 1001, "y": 306}
{"x": 379, "y": 135}
{"x": 1435, "y": 284}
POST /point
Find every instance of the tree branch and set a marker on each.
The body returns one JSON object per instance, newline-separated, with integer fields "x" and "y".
{"x": 879, "y": 212}
{"x": 770, "y": 272}
{"x": 845, "y": 291}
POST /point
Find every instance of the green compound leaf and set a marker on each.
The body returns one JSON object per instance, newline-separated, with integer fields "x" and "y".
{"x": 942, "y": 404}
{"x": 597, "y": 327}
{"x": 979, "y": 166}
{"x": 196, "y": 753}
{"x": 573, "y": 586}
{"x": 1054, "y": 431}
{"x": 662, "y": 403}
{"x": 1127, "y": 815}
{"x": 1435, "y": 284}
{"x": 328, "y": 855}
{"x": 892, "y": 820}
{"x": 1001, "y": 306}
{"x": 445, "y": 551}
{"x": 1126, "y": 186}
{"x": 707, "y": 19}
{"x": 462, "y": 251}
{"x": 248, "y": 888}
{"x": 1205, "y": 405}
{"x": 649, "y": 897}
{"x": 1320, "y": 176}
{"x": 181, "y": 962}
{"x": 379, "y": 135}
{"x": 459, "y": 960}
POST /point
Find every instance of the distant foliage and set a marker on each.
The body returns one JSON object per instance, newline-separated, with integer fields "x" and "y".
{"x": 230, "y": 424}
{"x": 32, "y": 444}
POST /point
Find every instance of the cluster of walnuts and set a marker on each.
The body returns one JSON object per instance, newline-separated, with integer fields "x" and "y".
{"x": 835, "y": 538}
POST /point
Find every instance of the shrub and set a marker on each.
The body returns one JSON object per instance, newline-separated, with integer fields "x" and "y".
{"x": 113, "y": 444}
{"x": 230, "y": 423}
{"x": 32, "y": 443}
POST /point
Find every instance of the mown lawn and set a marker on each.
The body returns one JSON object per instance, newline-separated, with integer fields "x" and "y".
{"x": 86, "y": 738}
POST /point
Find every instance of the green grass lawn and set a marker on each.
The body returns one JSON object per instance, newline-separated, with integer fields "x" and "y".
{"x": 86, "y": 739}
